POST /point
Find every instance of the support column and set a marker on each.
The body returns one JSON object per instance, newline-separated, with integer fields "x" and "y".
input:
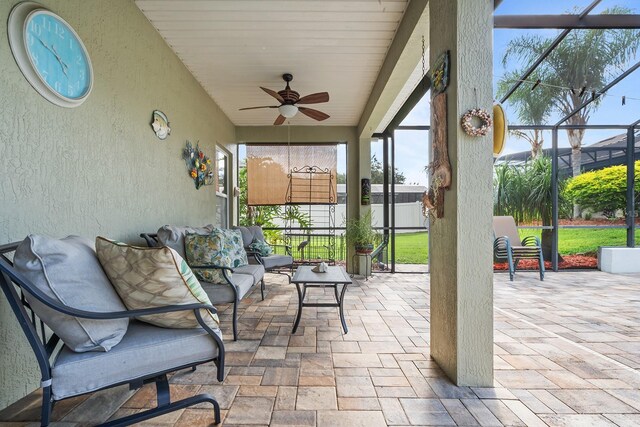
{"x": 358, "y": 166}
{"x": 461, "y": 243}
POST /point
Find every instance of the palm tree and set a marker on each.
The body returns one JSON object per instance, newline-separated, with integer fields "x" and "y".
{"x": 585, "y": 58}
{"x": 533, "y": 108}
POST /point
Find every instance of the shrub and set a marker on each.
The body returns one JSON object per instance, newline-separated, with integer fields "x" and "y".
{"x": 603, "y": 190}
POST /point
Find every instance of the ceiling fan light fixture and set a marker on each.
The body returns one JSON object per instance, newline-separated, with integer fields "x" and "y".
{"x": 288, "y": 110}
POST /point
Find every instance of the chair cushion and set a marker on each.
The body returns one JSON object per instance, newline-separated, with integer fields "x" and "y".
{"x": 255, "y": 270}
{"x": 232, "y": 240}
{"x": 210, "y": 249}
{"x": 68, "y": 271}
{"x": 173, "y": 236}
{"x": 277, "y": 261}
{"x": 222, "y": 294}
{"x": 250, "y": 233}
{"x": 261, "y": 247}
{"x": 154, "y": 277}
{"x": 144, "y": 350}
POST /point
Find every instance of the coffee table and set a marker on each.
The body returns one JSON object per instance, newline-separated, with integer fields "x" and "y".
{"x": 305, "y": 278}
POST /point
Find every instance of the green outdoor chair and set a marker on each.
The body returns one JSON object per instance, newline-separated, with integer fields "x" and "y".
{"x": 507, "y": 245}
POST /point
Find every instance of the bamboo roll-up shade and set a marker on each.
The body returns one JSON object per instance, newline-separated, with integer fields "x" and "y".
{"x": 268, "y": 167}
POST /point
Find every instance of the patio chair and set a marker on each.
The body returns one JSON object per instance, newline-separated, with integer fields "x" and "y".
{"x": 146, "y": 353}
{"x": 507, "y": 245}
{"x": 274, "y": 263}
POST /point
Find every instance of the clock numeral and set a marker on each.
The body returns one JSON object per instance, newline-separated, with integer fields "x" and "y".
{"x": 34, "y": 58}
{"x": 79, "y": 60}
{"x": 37, "y": 29}
{"x": 57, "y": 86}
{"x": 81, "y": 75}
{"x": 30, "y": 39}
{"x": 60, "y": 31}
{"x": 46, "y": 24}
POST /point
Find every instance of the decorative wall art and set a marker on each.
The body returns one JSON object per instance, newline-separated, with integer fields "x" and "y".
{"x": 440, "y": 167}
{"x": 198, "y": 165}
{"x": 500, "y": 130}
{"x": 365, "y": 191}
{"x": 439, "y": 74}
{"x": 476, "y": 122}
{"x": 160, "y": 124}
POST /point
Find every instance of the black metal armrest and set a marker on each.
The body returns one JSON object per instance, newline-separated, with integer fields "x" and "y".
{"x": 151, "y": 239}
{"x": 501, "y": 243}
{"x": 531, "y": 241}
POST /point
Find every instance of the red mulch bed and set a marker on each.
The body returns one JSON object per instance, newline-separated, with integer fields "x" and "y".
{"x": 569, "y": 262}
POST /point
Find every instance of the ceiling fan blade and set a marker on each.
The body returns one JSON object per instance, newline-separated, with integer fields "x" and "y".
{"x": 314, "y": 114}
{"x": 280, "y": 120}
{"x": 274, "y": 94}
{"x": 314, "y": 98}
{"x": 264, "y": 106}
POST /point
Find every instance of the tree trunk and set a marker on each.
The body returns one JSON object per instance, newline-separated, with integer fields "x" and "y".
{"x": 546, "y": 242}
{"x": 575, "y": 140}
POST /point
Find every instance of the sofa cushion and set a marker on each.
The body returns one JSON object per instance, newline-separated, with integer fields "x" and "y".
{"x": 255, "y": 270}
{"x": 276, "y": 261}
{"x": 68, "y": 271}
{"x": 173, "y": 236}
{"x": 209, "y": 249}
{"x": 224, "y": 294}
{"x": 232, "y": 240}
{"x": 144, "y": 350}
{"x": 154, "y": 277}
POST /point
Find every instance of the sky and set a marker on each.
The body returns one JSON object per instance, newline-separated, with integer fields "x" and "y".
{"x": 412, "y": 146}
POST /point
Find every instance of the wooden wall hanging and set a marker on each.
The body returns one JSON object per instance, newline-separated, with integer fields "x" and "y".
{"x": 440, "y": 167}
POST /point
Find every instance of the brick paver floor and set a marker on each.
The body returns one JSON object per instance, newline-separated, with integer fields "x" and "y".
{"x": 567, "y": 353}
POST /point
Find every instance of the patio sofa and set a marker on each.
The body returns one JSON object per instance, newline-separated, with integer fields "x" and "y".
{"x": 60, "y": 294}
{"x": 236, "y": 282}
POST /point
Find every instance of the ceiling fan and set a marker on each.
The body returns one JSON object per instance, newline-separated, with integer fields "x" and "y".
{"x": 290, "y": 99}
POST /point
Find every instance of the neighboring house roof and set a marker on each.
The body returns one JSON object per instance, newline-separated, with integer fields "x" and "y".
{"x": 608, "y": 152}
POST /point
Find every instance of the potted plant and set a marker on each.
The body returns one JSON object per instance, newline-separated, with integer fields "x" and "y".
{"x": 360, "y": 234}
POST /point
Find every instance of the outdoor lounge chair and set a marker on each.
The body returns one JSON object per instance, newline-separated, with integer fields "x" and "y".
{"x": 507, "y": 245}
{"x": 274, "y": 263}
{"x": 146, "y": 353}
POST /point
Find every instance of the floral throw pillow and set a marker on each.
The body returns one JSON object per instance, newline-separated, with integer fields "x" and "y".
{"x": 233, "y": 244}
{"x": 210, "y": 249}
{"x": 261, "y": 247}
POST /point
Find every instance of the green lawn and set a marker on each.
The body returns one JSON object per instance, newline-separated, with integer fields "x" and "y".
{"x": 412, "y": 248}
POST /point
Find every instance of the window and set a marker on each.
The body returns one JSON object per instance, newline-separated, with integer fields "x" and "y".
{"x": 222, "y": 188}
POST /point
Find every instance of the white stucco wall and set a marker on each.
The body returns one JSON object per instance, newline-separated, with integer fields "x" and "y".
{"x": 98, "y": 169}
{"x": 460, "y": 253}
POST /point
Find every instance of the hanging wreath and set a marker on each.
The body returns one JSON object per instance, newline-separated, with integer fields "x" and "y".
{"x": 481, "y": 115}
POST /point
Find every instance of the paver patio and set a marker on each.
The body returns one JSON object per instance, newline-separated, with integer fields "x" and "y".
{"x": 567, "y": 353}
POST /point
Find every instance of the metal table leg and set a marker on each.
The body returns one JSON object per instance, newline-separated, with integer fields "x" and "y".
{"x": 299, "y": 315}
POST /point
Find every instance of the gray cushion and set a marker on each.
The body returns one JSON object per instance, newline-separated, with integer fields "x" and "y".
{"x": 276, "y": 261}
{"x": 69, "y": 272}
{"x": 144, "y": 350}
{"x": 220, "y": 294}
{"x": 173, "y": 236}
{"x": 250, "y": 233}
{"x": 256, "y": 270}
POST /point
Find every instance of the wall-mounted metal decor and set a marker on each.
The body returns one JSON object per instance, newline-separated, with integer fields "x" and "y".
{"x": 365, "y": 191}
{"x": 199, "y": 166}
{"x": 160, "y": 124}
{"x": 439, "y": 74}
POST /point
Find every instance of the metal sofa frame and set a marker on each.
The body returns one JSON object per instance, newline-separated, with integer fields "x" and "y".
{"x": 14, "y": 285}
{"x": 152, "y": 241}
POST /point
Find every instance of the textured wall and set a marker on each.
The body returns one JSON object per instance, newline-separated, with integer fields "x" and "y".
{"x": 98, "y": 168}
{"x": 461, "y": 253}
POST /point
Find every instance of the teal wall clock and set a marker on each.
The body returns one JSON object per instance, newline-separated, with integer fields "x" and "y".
{"x": 50, "y": 54}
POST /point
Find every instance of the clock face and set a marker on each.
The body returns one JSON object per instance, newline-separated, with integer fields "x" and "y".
{"x": 57, "y": 55}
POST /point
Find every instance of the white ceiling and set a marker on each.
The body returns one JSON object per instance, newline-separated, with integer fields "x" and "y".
{"x": 234, "y": 46}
